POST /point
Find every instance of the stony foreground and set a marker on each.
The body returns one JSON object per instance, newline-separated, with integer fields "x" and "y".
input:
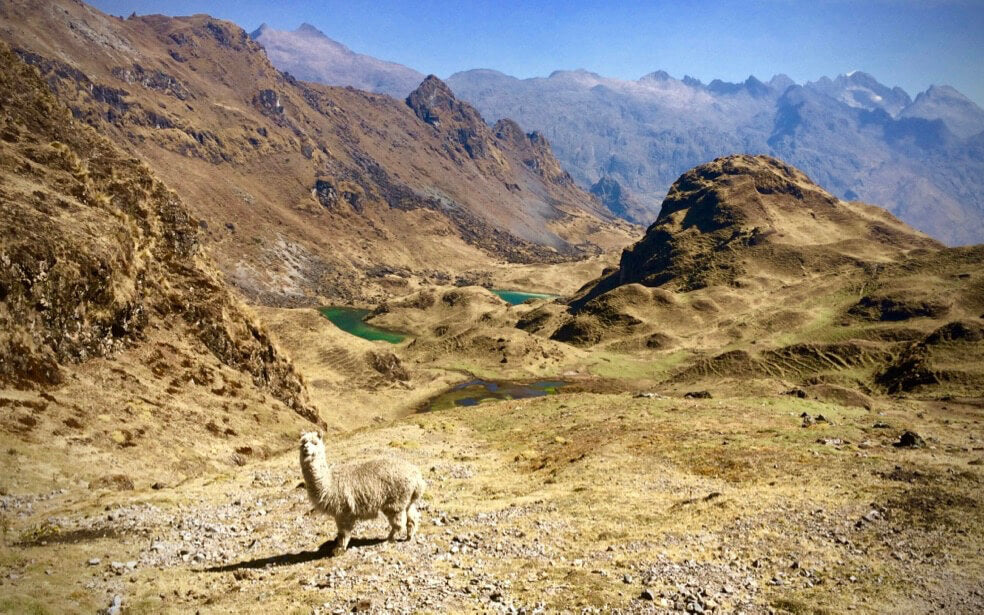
{"x": 615, "y": 503}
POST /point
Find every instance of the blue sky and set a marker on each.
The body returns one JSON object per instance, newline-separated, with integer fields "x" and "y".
{"x": 911, "y": 43}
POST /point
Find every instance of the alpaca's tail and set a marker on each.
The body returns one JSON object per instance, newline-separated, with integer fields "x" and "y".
{"x": 413, "y": 515}
{"x": 418, "y": 490}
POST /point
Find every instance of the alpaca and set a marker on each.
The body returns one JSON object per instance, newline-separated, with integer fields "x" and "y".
{"x": 360, "y": 490}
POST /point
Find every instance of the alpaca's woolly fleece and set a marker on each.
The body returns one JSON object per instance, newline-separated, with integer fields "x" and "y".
{"x": 360, "y": 490}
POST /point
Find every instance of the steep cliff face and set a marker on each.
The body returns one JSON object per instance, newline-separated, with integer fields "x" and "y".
{"x": 307, "y": 192}
{"x": 96, "y": 252}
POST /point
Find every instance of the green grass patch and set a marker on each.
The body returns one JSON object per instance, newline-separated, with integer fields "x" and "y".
{"x": 22, "y": 605}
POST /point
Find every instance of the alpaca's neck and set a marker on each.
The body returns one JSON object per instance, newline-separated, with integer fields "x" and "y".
{"x": 317, "y": 477}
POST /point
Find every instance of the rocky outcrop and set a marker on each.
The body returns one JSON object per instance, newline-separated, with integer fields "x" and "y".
{"x": 533, "y": 149}
{"x": 948, "y": 360}
{"x": 434, "y": 103}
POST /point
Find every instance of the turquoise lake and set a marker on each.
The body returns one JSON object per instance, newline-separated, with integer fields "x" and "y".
{"x": 351, "y": 320}
{"x": 515, "y": 297}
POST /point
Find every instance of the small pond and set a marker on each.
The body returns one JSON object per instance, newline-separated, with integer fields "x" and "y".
{"x": 350, "y": 320}
{"x": 515, "y": 297}
{"x": 477, "y": 391}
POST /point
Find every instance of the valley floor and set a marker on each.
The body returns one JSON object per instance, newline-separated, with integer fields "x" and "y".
{"x": 614, "y": 503}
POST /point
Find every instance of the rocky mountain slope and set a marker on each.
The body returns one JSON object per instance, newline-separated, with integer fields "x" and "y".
{"x": 307, "y": 193}
{"x": 112, "y": 316}
{"x": 854, "y": 136}
{"x": 306, "y": 53}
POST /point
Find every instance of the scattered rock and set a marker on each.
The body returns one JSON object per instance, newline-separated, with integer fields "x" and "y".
{"x": 647, "y": 594}
{"x": 796, "y": 392}
{"x": 910, "y": 439}
{"x": 94, "y": 561}
{"x": 698, "y": 395}
{"x": 116, "y": 482}
{"x": 871, "y": 516}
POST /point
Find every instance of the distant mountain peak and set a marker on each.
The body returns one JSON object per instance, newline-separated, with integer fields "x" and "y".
{"x": 861, "y": 90}
{"x": 259, "y": 31}
{"x": 751, "y": 85}
{"x": 781, "y": 82}
{"x": 577, "y": 72}
{"x": 306, "y": 28}
{"x": 960, "y": 114}
{"x": 308, "y": 54}
{"x": 658, "y": 76}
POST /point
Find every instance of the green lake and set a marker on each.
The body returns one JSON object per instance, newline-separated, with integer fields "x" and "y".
{"x": 477, "y": 391}
{"x": 515, "y": 297}
{"x": 351, "y": 320}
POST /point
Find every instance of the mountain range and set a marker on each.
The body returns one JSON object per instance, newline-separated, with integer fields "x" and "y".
{"x": 922, "y": 159}
{"x": 306, "y": 193}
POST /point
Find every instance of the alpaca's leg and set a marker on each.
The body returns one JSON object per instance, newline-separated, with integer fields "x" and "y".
{"x": 401, "y": 526}
{"x": 345, "y": 527}
{"x": 397, "y": 521}
{"x": 412, "y": 520}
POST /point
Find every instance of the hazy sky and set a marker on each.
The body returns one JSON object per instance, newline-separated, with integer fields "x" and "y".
{"x": 911, "y": 43}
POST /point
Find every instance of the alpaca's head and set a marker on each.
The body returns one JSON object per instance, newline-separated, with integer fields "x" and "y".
{"x": 311, "y": 444}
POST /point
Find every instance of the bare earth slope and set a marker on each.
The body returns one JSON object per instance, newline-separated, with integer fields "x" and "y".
{"x": 308, "y": 192}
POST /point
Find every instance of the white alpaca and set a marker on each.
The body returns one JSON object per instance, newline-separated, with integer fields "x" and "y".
{"x": 360, "y": 490}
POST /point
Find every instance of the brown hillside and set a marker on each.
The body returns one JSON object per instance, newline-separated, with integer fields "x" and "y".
{"x": 309, "y": 192}
{"x": 752, "y": 271}
{"x": 109, "y": 308}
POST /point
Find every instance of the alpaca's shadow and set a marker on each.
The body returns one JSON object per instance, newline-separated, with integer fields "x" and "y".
{"x": 289, "y": 559}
